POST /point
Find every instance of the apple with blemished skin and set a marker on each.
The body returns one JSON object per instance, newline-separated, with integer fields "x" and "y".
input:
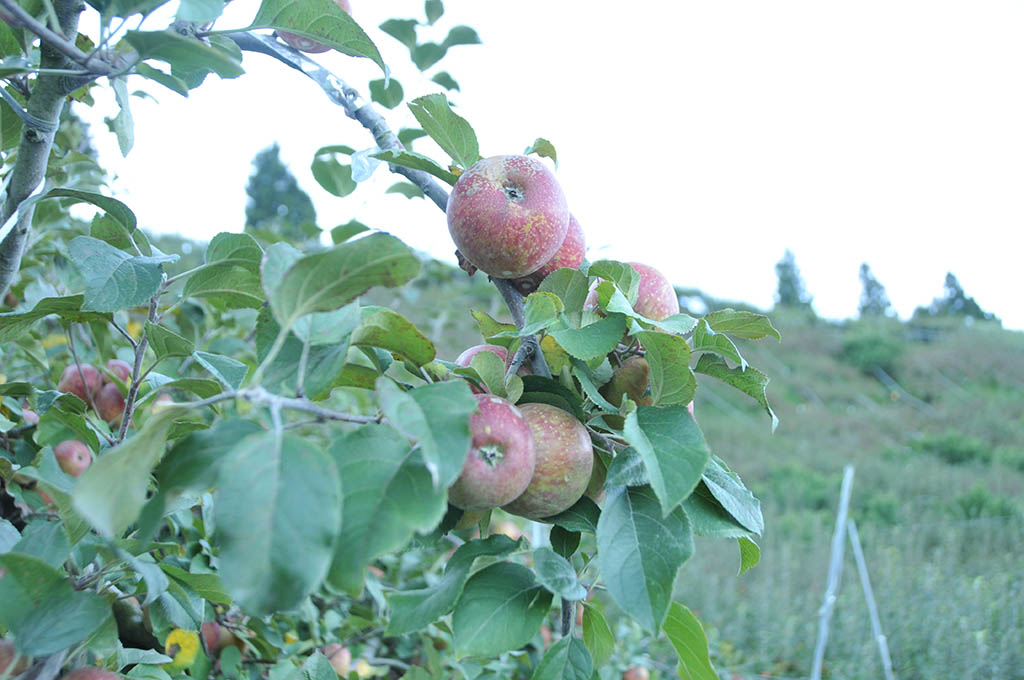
{"x": 216, "y": 637}
{"x": 570, "y": 254}
{"x": 656, "y": 298}
{"x": 72, "y": 381}
{"x": 308, "y": 45}
{"x": 508, "y": 215}
{"x": 122, "y": 369}
{"x": 500, "y": 461}
{"x": 109, "y": 403}
{"x": 73, "y": 456}
{"x": 565, "y": 460}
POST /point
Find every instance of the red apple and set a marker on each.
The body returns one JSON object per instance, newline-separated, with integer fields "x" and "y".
{"x": 508, "y": 215}
{"x": 657, "y": 298}
{"x": 340, "y": 658}
{"x": 7, "y": 653}
{"x": 217, "y": 637}
{"x": 500, "y": 461}
{"x": 91, "y": 673}
{"x": 565, "y": 460}
{"x": 109, "y": 403}
{"x": 73, "y": 456}
{"x": 466, "y": 357}
{"x": 122, "y": 369}
{"x": 29, "y": 416}
{"x": 636, "y": 673}
{"x": 304, "y": 44}
{"x": 570, "y": 254}
{"x": 83, "y": 384}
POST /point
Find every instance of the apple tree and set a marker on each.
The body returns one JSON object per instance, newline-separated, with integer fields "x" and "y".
{"x": 241, "y": 469}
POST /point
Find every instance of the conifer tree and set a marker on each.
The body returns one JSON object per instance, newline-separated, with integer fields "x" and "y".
{"x": 277, "y": 205}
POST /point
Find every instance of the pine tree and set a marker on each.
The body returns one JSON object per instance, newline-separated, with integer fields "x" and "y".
{"x": 791, "y": 291}
{"x": 955, "y": 303}
{"x": 873, "y": 299}
{"x": 277, "y": 205}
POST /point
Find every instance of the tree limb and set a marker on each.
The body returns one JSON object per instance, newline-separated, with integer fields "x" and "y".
{"x": 364, "y": 112}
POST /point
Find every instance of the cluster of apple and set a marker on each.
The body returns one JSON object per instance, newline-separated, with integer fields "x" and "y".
{"x": 509, "y": 218}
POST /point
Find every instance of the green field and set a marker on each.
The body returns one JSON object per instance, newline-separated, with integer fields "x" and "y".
{"x": 932, "y": 419}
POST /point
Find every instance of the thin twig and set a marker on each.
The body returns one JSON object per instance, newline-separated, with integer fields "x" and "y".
{"x": 137, "y": 374}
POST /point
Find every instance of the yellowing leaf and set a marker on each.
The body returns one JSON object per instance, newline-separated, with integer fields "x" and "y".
{"x": 182, "y": 646}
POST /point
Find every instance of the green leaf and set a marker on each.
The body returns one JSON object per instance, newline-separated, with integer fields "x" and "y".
{"x": 538, "y": 390}
{"x": 461, "y": 35}
{"x": 584, "y": 515}
{"x": 434, "y": 10}
{"x": 9, "y": 536}
{"x": 166, "y": 343}
{"x": 278, "y": 498}
{"x": 344, "y": 232}
{"x": 627, "y": 469}
{"x": 501, "y": 609}
{"x": 230, "y": 286}
{"x": 673, "y": 449}
{"x": 416, "y": 609}
{"x": 237, "y": 250}
{"x": 199, "y": 11}
{"x": 409, "y": 135}
{"x": 333, "y": 176}
{"x": 639, "y": 553}
{"x": 571, "y": 287}
{"x": 388, "y": 93}
{"x": 15, "y": 324}
{"x": 192, "y": 463}
{"x": 733, "y": 496}
{"x": 493, "y": 331}
{"x": 556, "y": 574}
{"x": 316, "y": 667}
{"x": 594, "y": 340}
{"x": 427, "y": 54}
{"x": 437, "y": 417}
{"x": 388, "y": 495}
{"x": 705, "y": 339}
{"x": 46, "y": 540}
{"x": 750, "y": 554}
{"x": 402, "y": 30}
{"x": 490, "y": 369}
{"x": 445, "y": 80}
{"x": 671, "y": 380}
{"x": 123, "y": 125}
{"x": 568, "y": 659}
{"x": 563, "y": 541}
{"x": 597, "y": 635}
{"x": 621, "y": 274}
{"x": 114, "y": 279}
{"x": 543, "y": 147}
{"x": 407, "y": 189}
{"x": 686, "y": 634}
{"x": 451, "y": 132}
{"x": 323, "y": 363}
{"x": 41, "y": 609}
{"x": 182, "y": 53}
{"x": 173, "y": 83}
{"x": 750, "y": 381}
{"x": 328, "y": 328}
{"x": 111, "y": 492}
{"x": 391, "y": 331}
{"x": 228, "y": 371}
{"x": 331, "y": 278}
{"x": 322, "y": 20}
{"x": 742, "y": 324}
{"x": 113, "y": 208}
{"x": 417, "y": 161}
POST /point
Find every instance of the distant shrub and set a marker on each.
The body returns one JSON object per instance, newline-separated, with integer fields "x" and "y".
{"x": 795, "y": 486}
{"x": 869, "y": 352}
{"x": 1011, "y": 456}
{"x": 978, "y": 502}
{"x": 954, "y": 448}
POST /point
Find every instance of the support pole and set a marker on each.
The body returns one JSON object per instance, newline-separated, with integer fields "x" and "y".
{"x": 869, "y": 595}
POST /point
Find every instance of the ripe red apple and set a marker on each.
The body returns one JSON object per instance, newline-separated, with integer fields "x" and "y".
{"x": 304, "y": 44}
{"x": 466, "y": 358}
{"x": 508, "y": 215}
{"x": 73, "y": 456}
{"x": 570, "y": 254}
{"x": 216, "y": 637}
{"x": 340, "y": 658}
{"x": 657, "y": 298}
{"x": 7, "y": 652}
{"x": 109, "y": 403}
{"x": 122, "y": 369}
{"x": 29, "y": 416}
{"x": 501, "y": 459}
{"x": 636, "y": 672}
{"x": 91, "y": 673}
{"x": 565, "y": 460}
{"x": 72, "y": 381}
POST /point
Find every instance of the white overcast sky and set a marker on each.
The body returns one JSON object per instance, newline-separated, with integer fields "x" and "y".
{"x": 703, "y": 138}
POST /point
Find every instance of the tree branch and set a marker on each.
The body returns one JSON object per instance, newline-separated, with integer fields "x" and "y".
{"x": 14, "y": 14}
{"x": 364, "y": 112}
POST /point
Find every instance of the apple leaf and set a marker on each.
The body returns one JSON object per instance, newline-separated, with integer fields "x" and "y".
{"x": 543, "y": 147}
{"x": 113, "y": 208}
{"x": 671, "y": 380}
{"x": 501, "y": 609}
{"x": 416, "y": 609}
{"x": 557, "y": 575}
{"x": 226, "y": 285}
{"x": 594, "y": 340}
{"x": 236, "y": 250}
{"x": 192, "y": 463}
{"x": 182, "y": 53}
{"x": 627, "y": 469}
{"x": 450, "y": 130}
{"x": 199, "y": 11}
{"x": 733, "y": 496}
{"x": 597, "y": 634}
{"x": 568, "y": 659}
{"x": 621, "y": 274}
{"x": 344, "y": 232}
{"x": 323, "y": 363}
{"x": 278, "y": 496}
{"x": 417, "y": 161}
{"x": 331, "y": 278}
{"x": 570, "y": 285}
{"x": 402, "y": 30}
{"x": 389, "y": 330}
{"x": 706, "y": 339}
{"x": 388, "y": 93}
{"x": 166, "y": 343}
{"x": 114, "y": 279}
{"x": 388, "y": 495}
{"x": 69, "y": 308}
{"x": 686, "y": 635}
{"x": 334, "y": 177}
{"x": 228, "y": 371}
{"x": 445, "y": 80}
{"x": 750, "y": 381}
{"x": 41, "y": 609}
{"x": 322, "y": 20}
{"x": 750, "y": 554}
{"x": 746, "y": 325}
{"x": 584, "y": 515}
{"x": 406, "y": 189}
{"x": 639, "y": 553}
{"x": 673, "y": 450}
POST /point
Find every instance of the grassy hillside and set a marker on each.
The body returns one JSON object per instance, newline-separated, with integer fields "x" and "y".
{"x": 931, "y": 417}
